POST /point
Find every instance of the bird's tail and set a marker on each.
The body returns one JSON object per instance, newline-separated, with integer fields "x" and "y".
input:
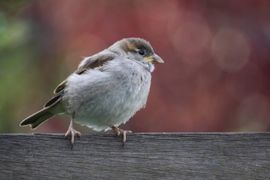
{"x": 51, "y": 108}
{"x": 37, "y": 118}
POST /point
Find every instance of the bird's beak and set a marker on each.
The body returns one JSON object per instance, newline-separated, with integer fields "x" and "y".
{"x": 154, "y": 59}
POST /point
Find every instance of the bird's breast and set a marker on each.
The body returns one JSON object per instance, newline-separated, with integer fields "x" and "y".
{"x": 102, "y": 99}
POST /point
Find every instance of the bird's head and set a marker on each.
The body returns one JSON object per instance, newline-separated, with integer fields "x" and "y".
{"x": 137, "y": 49}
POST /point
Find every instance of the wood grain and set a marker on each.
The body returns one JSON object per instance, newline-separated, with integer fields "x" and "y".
{"x": 145, "y": 156}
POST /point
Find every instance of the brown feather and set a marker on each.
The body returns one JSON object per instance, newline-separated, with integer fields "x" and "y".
{"x": 55, "y": 99}
{"x": 99, "y": 61}
{"x": 133, "y": 44}
{"x": 92, "y": 63}
{"x": 60, "y": 87}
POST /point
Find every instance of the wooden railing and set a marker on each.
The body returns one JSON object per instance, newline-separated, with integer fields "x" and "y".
{"x": 144, "y": 156}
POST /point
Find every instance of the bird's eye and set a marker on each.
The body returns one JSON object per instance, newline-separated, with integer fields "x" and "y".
{"x": 142, "y": 52}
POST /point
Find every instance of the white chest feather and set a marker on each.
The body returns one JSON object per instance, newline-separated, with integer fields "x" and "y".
{"x": 109, "y": 96}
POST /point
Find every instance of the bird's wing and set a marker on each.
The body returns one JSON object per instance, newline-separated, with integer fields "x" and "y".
{"x": 92, "y": 62}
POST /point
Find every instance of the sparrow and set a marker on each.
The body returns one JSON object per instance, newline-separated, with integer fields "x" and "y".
{"x": 105, "y": 91}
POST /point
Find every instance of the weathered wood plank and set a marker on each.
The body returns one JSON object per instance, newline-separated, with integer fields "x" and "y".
{"x": 145, "y": 156}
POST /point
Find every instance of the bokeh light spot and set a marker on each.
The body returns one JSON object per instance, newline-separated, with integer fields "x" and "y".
{"x": 230, "y": 49}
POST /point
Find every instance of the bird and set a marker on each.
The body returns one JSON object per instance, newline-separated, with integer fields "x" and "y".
{"x": 105, "y": 91}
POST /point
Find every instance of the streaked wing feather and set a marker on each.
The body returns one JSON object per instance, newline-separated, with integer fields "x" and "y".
{"x": 91, "y": 62}
{"x": 55, "y": 99}
{"x": 60, "y": 87}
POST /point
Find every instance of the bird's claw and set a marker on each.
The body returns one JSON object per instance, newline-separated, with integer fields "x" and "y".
{"x": 121, "y": 132}
{"x": 72, "y": 133}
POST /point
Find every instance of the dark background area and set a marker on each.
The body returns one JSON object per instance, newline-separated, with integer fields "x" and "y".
{"x": 217, "y": 59}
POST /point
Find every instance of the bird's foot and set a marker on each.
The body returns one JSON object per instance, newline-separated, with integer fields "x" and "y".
{"x": 121, "y": 132}
{"x": 72, "y": 133}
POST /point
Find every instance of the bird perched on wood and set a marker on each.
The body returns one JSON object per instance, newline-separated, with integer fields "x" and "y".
{"x": 106, "y": 90}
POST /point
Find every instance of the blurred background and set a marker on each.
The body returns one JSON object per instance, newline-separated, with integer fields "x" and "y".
{"x": 217, "y": 54}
